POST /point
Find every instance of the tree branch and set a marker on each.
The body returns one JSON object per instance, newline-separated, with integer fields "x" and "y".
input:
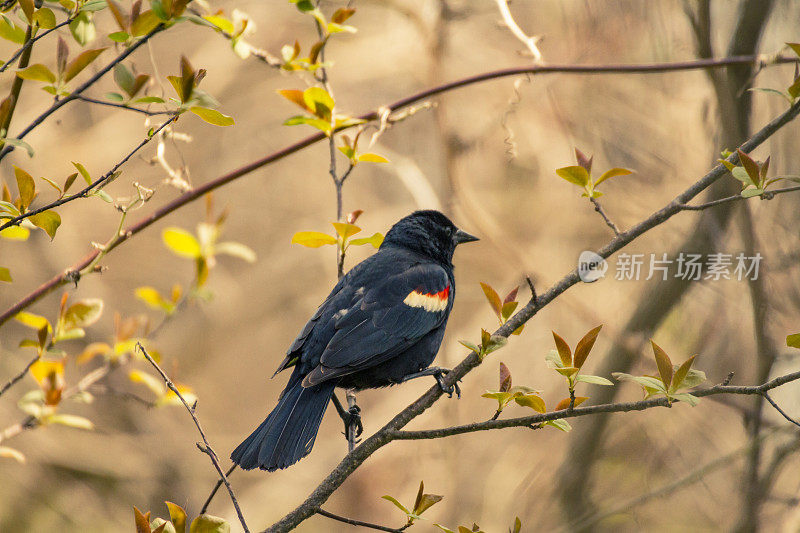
{"x": 199, "y": 192}
{"x": 13, "y": 381}
{"x": 781, "y": 411}
{"x": 30, "y": 42}
{"x": 123, "y": 106}
{"x": 96, "y": 184}
{"x": 528, "y": 421}
{"x": 206, "y": 447}
{"x": 76, "y": 93}
{"x": 599, "y": 209}
{"x": 768, "y": 195}
{"x": 353, "y": 522}
{"x": 385, "y": 435}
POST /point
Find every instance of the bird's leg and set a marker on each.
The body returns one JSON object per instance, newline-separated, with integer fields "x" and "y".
{"x": 439, "y": 374}
{"x": 351, "y": 417}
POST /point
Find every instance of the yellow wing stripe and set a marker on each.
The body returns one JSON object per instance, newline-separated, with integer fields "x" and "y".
{"x": 433, "y": 302}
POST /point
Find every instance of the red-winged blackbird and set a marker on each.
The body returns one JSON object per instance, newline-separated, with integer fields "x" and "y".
{"x": 381, "y": 325}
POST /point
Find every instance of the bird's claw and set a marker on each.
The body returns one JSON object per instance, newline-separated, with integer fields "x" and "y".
{"x": 352, "y": 420}
{"x": 445, "y": 389}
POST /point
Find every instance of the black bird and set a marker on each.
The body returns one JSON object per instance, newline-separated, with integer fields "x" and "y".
{"x": 381, "y": 325}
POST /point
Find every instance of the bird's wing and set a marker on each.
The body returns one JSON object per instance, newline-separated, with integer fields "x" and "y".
{"x": 388, "y": 318}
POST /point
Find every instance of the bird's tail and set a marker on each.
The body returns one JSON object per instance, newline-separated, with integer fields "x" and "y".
{"x": 288, "y": 433}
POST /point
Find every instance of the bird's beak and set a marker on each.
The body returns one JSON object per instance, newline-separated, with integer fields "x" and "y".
{"x": 462, "y": 237}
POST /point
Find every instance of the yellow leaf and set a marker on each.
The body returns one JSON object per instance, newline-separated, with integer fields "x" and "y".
{"x": 181, "y": 242}
{"x": 295, "y": 96}
{"x": 372, "y": 158}
{"x": 32, "y": 321}
{"x": 212, "y": 116}
{"x": 313, "y": 239}
{"x": 151, "y": 382}
{"x": 574, "y": 174}
{"x": 345, "y": 230}
{"x": 92, "y": 351}
{"x": 15, "y": 233}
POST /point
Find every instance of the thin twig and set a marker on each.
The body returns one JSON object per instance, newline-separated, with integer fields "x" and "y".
{"x": 353, "y": 522}
{"x": 217, "y": 485}
{"x": 13, "y": 381}
{"x": 600, "y": 210}
{"x": 96, "y": 184}
{"x": 199, "y": 192}
{"x": 29, "y": 43}
{"x": 767, "y": 195}
{"x": 529, "y": 42}
{"x": 781, "y": 411}
{"x": 206, "y": 447}
{"x": 77, "y": 92}
{"x": 123, "y": 106}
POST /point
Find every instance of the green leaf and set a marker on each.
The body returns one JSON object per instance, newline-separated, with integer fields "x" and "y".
{"x": 693, "y": 378}
{"x": 793, "y": 340}
{"x": 10, "y": 31}
{"x": 37, "y": 72}
{"x": 375, "y": 240}
{"x": 585, "y": 346}
{"x": 119, "y": 36}
{"x": 236, "y": 249}
{"x": 115, "y": 97}
{"x": 318, "y": 123}
{"x": 82, "y": 28}
{"x": 663, "y": 362}
{"x": 313, "y": 239}
{"x": 19, "y": 144}
{"x": 48, "y": 220}
{"x": 594, "y": 380}
{"x": 181, "y": 242}
{"x": 149, "y": 100}
{"x": 559, "y": 423}
{"x": 212, "y": 116}
{"x": 145, "y": 23}
{"x": 553, "y": 360}
{"x": 124, "y": 78}
{"x": 574, "y": 174}
{"x": 5, "y": 275}
{"x": 26, "y": 186}
{"x": 772, "y": 91}
{"x": 533, "y": 401}
{"x": 52, "y": 183}
{"x": 686, "y": 397}
{"x": 741, "y": 174}
{"x": 680, "y": 374}
{"x": 27, "y": 7}
{"x": 508, "y": 310}
{"x": 84, "y": 173}
{"x": 616, "y": 171}
{"x": 564, "y": 351}
{"x": 749, "y": 193}
{"x": 794, "y": 89}
{"x": 45, "y": 18}
{"x": 83, "y": 60}
{"x": 372, "y": 158}
{"x": 473, "y": 347}
{"x": 795, "y": 47}
{"x": 396, "y": 504}
{"x": 644, "y": 381}
{"x": 206, "y": 523}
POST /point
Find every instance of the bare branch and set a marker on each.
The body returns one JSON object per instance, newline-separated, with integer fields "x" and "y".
{"x": 353, "y": 522}
{"x": 211, "y": 185}
{"x": 781, "y": 411}
{"x": 95, "y": 185}
{"x": 123, "y": 106}
{"x": 206, "y": 447}
{"x": 768, "y": 195}
{"x": 530, "y": 42}
{"x": 13, "y": 381}
{"x": 609, "y": 223}
{"x": 77, "y": 92}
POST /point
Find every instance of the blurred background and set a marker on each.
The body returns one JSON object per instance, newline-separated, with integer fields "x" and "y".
{"x": 486, "y": 155}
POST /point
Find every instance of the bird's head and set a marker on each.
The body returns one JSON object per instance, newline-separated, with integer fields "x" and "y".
{"x": 429, "y": 233}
